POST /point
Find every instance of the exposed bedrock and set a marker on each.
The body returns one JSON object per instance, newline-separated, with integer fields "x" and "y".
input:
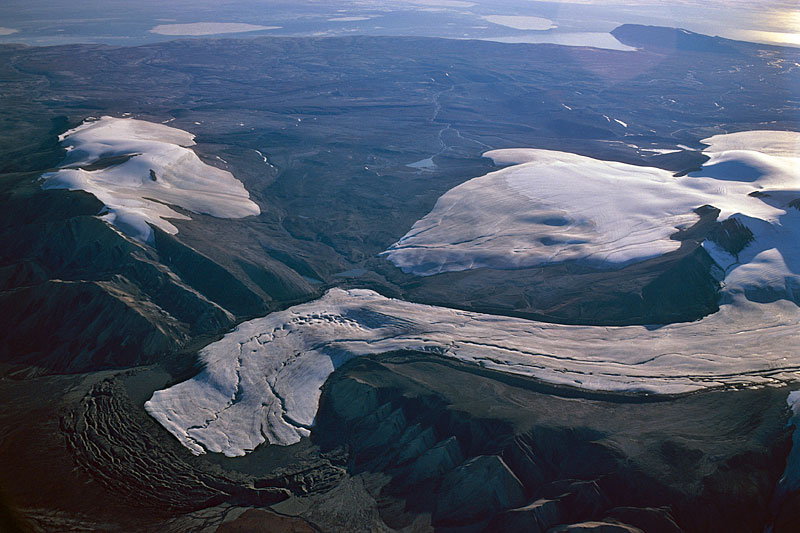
{"x": 139, "y": 328}
{"x": 75, "y": 295}
{"x": 483, "y": 452}
{"x": 118, "y": 446}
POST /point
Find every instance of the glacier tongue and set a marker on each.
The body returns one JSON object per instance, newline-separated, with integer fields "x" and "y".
{"x": 261, "y": 382}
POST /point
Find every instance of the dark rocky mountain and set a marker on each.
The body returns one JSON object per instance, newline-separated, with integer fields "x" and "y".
{"x": 94, "y": 321}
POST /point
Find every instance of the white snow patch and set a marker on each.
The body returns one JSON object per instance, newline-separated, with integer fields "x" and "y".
{"x": 259, "y": 152}
{"x": 153, "y": 170}
{"x": 7, "y": 31}
{"x": 261, "y": 382}
{"x": 548, "y": 207}
{"x": 777, "y": 143}
{"x": 623, "y": 124}
{"x": 661, "y": 151}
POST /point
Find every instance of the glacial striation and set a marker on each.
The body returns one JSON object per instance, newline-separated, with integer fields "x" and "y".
{"x": 261, "y": 382}
{"x": 138, "y": 169}
{"x": 552, "y": 207}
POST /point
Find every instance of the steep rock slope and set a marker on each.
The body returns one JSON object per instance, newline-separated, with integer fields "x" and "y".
{"x": 78, "y": 295}
{"x": 478, "y": 451}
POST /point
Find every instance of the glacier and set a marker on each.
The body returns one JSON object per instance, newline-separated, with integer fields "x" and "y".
{"x": 138, "y": 169}
{"x": 262, "y": 382}
{"x": 550, "y": 207}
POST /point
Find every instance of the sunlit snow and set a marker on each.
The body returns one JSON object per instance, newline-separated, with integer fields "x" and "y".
{"x": 550, "y": 207}
{"x": 138, "y": 169}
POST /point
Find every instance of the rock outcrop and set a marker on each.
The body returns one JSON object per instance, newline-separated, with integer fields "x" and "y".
{"x": 478, "y": 454}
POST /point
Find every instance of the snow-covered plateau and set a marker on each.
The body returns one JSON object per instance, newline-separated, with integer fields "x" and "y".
{"x": 261, "y": 382}
{"x": 137, "y": 169}
{"x": 550, "y": 207}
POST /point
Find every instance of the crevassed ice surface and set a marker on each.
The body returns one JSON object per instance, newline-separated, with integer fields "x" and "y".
{"x": 138, "y": 169}
{"x": 550, "y": 207}
{"x": 261, "y": 382}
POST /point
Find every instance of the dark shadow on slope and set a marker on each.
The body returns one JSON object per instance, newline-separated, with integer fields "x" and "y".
{"x": 482, "y": 454}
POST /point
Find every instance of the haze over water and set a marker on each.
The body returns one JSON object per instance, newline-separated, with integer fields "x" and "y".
{"x": 40, "y": 22}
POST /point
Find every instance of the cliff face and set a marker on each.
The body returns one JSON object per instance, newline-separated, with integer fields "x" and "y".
{"x": 478, "y": 453}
